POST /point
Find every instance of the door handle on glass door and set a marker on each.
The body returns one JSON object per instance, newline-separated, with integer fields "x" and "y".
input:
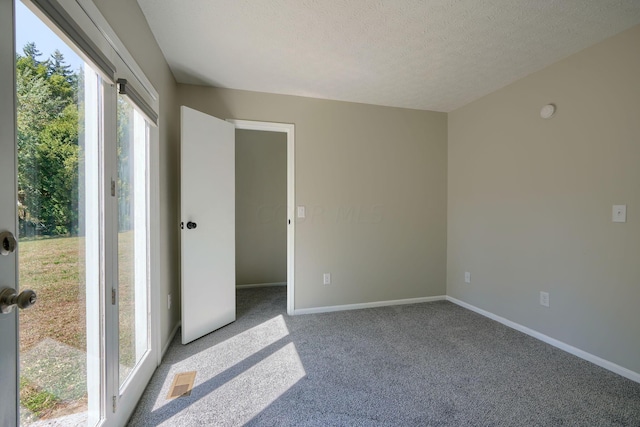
{"x": 9, "y": 299}
{"x": 8, "y": 243}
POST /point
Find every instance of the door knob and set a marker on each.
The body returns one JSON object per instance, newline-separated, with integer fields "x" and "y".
{"x": 9, "y": 299}
{"x": 191, "y": 225}
{"x": 8, "y": 243}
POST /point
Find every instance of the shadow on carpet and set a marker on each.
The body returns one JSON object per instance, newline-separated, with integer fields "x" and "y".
{"x": 431, "y": 364}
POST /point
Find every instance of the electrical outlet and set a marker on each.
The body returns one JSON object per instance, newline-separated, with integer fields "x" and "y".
{"x": 619, "y": 213}
{"x": 467, "y": 277}
{"x": 544, "y": 299}
{"x": 326, "y": 278}
{"x": 169, "y": 302}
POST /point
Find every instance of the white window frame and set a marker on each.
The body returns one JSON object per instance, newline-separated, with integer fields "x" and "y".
{"x": 116, "y": 408}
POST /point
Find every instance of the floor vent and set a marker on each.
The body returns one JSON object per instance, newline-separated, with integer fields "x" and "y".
{"x": 182, "y": 385}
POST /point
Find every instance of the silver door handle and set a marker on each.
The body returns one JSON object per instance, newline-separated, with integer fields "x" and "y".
{"x": 10, "y": 299}
{"x": 8, "y": 243}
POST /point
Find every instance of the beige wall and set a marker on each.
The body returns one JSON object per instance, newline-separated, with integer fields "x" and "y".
{"x": 373, "y": 180}
{"x": 261, "y": 207}
{"x": 530, "y": 201}
{"x": 127, "y": 20}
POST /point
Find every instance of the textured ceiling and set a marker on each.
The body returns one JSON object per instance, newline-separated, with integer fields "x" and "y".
{"x": 425, "y": 54}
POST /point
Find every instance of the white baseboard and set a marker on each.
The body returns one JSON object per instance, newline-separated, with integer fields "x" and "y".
{"x": 261, "y": 285}
{"x": 620, "y": 370}
{"x": 172, "y": 335}
{"x": 627, "y": 373}
{"x": 332, "y": 308}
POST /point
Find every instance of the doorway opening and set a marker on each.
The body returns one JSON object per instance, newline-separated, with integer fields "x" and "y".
{"x": 265, "y": 204}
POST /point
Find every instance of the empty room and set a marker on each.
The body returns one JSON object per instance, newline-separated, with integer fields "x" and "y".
{"x": 320, "y": 213}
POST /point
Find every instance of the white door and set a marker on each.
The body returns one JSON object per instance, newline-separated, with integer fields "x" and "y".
{"x": 208, "y": 215}
{"x": 8, "y": 322}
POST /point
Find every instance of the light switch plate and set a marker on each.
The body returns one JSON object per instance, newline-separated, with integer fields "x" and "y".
{"x": 619, "y": 213}
{"x": 302, "y": 212}
{"x": 544, "y": 299}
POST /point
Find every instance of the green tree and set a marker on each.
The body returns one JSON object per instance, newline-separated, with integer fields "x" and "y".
{"x": 58, "y": 67}
{"x": 48, "y": 149}
{"x": 62, "y": 80}
{"x": 58, "y": 157}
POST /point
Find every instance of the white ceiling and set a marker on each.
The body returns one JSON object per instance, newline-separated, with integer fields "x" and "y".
{"x": 425, "y": 54}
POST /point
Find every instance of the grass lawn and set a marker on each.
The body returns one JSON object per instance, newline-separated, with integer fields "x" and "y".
{"x": 54, "y": 269}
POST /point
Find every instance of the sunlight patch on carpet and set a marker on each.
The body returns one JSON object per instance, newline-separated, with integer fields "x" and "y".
{"x": 259, "y": 386}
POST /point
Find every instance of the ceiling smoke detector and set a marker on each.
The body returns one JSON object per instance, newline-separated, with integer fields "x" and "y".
{"x": 547, "y": 111}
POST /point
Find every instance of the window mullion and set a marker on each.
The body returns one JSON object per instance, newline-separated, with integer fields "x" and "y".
{"x": 111, "y": 247}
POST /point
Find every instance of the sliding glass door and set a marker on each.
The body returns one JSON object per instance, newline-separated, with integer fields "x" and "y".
{"x": 76, "y": 191}
{"x": 59, "y": 146}
{"x": 132, "y": 241}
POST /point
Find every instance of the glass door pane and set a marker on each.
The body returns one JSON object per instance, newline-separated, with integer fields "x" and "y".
{"x": 58, "y": 127}
{"x": 133, "y": 310}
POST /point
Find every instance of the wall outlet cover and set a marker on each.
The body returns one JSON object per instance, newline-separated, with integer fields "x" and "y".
{"x": 544, "y": 299}
{"x": 467, "y": 277}
{"x": 619, "y": 213}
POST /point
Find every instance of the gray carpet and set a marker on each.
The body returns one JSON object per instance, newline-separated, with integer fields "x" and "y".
{"x": 432, "y": 364}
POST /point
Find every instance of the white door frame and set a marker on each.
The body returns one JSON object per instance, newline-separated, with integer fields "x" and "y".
{"x": 289, "y": 130}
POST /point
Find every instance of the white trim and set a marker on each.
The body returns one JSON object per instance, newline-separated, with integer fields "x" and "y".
{"x": 92, "y": 218}
{"x": 332, "y": 308}
{"x": 261, "y": 285}
{"x": 291, "y": 204}
{"x": 627, "y": 373}
{"x": 258, "y": 125}
{"x": 155, "y": 275}
{"x": 172, "y": 335}
{"x": 289, "y": 129}
{"x": 101, "y": 24}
